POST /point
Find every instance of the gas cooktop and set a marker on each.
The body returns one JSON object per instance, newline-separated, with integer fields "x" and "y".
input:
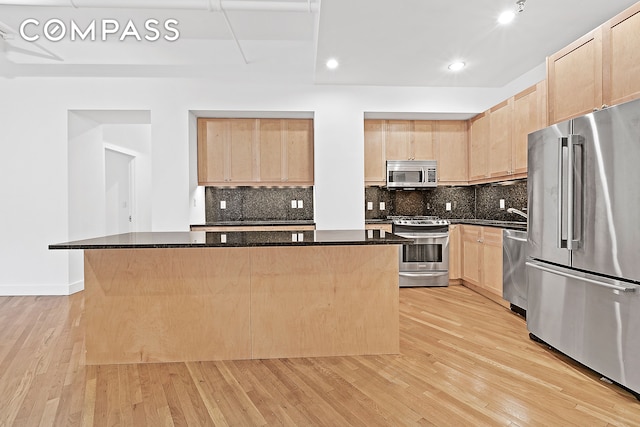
{"x": 418, "y": 220}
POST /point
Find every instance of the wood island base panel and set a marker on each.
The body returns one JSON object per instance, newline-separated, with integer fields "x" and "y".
{"x": 212, "y": 303}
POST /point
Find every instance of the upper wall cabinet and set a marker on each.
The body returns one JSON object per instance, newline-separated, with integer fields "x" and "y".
{"x": 601, "y": 68}
{"x": 408, "y": 139}
{"x": 621, "y": 57}
{"x": 451, "y": 139}
{"x": 574, "y": 77}
{"x": 255, "y": 152}
{"x": 529, "y": 115}
{"x": 444, "y": 141}
{"x": 479, "y": 147}
{"x": 499, "y": 137}
{"x": 500, "y": 133}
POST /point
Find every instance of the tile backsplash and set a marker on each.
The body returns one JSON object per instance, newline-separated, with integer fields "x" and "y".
{"x": 258, "y": 204}
{"x": 480, "y": 201}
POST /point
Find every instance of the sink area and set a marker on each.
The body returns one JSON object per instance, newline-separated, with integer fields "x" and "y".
{"x": 516, "y": 225}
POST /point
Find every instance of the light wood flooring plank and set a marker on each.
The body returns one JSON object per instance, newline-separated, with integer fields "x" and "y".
{"x": 464, "y": 360}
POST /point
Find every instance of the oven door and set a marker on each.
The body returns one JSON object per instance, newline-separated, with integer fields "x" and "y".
{"x": 425, "y": 262}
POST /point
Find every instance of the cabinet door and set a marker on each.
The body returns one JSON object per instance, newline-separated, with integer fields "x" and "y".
{"x": 397, "y": 139}
{"x": 500, "y": 139}
{"x": 241, "y": 150}
{"x": 374, "y": 155}
{"x": 471, "y": 254}
{"x": 529, "y": 115}
{"x": 575, "y": 78}
{"x": 213, "y": 135}
{"x": 621, "y": 57}
{"x": 452, "y": 146}
{"x": 454, "y": 252}
{"x": 479, "y": 147}
{"x": 299, "y": 137}
{"x": 422, "y": 144}
{"x": 492, "y": 260}
{"x": 271, "y": 153}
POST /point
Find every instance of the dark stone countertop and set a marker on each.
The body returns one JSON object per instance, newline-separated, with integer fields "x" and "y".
{"x": 514, "y": 225}
{"x": 252, "y": 223}
{"x": 201, "y": 239}
{"x": 378, "y": 221}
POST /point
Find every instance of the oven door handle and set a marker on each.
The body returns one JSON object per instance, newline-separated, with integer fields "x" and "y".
{"x": 424, "y": 235}
{"x": 423, "y": 274}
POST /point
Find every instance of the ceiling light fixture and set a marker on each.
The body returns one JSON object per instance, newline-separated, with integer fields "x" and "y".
{"x": 457, "y": 66}
{"x": 506, "y": 17}
{"x": 332, "y": 64}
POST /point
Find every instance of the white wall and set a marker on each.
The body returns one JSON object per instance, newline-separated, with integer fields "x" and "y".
{"x": 35, "y": 130}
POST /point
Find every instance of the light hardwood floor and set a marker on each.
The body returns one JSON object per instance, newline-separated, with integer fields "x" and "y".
{"x": 464, "y": 360}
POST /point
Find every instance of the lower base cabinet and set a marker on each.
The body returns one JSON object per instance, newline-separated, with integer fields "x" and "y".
{"x": 482, "y": 258}
{"x": 455, "y": 258}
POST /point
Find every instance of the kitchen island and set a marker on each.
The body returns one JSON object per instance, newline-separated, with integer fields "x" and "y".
{"x": 189, "y": 296}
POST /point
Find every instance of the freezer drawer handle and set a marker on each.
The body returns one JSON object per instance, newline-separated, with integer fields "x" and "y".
{"x": 519, "y": 239}
{"x": 584, "y": 279}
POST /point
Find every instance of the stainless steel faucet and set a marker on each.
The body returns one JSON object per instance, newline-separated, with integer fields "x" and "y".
{"x": 517, "y": 212}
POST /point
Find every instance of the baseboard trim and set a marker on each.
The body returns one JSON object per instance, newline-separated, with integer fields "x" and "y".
{"x": 22, "y": 290}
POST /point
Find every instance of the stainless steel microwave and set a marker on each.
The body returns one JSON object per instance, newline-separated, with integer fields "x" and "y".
{"x": 406, "y": 174}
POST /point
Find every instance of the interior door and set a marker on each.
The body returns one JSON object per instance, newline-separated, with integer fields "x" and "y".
{"x": 118, "y": 192}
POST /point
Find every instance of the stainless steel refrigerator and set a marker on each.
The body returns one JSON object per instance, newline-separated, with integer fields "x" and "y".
{"x": 583, "y": 265}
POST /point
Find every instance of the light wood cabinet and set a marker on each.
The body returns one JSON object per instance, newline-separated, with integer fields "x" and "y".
{"x": 602, "y": 68}
{"x": 529, "y": 115}
{"x": 255, "y": 152}
{"x": 499, "y": 137}
{"x": 621, "y": 57}
{"x": 454, "y": 254}
{"x": 397, "y": 138}
{"x": 445, "y": 141}
{"x": 479, "y": 147}
{"x": 500, "y": 133}
{"x": 451, "y": 139}
{"x": 374, "y": 153}
{"x": 298, "y": 146}
{"x": 471, "y": 254}
{"x": 422, "y": 143}
{"x": 482, "y": 258}
{"x": 387, "y": 228}
{"x": 492, "y": 260}
{"x": 574, "y": 77}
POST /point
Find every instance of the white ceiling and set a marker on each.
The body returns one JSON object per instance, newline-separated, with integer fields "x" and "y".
{"x": 378, "y": 42}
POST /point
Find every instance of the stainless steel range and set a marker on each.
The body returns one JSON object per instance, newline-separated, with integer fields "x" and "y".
{"x": 425, "y": 262}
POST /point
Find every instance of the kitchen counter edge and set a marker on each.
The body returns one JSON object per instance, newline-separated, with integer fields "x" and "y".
{"x": 201, "y": 239}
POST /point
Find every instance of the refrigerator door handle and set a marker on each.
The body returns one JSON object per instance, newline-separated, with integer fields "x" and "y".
{"x": 570, "y": 194}
{"x": 581, "y": 278}
{"x": 562, "y": 143}
{"x": 574, "y": 195}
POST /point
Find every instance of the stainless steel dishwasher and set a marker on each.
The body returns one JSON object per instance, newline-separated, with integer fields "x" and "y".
{"x": 514, "y": 277}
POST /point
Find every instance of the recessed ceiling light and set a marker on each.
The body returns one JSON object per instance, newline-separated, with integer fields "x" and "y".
{"x": 332, "y": 64}
{"x": 506, "y": 17}
{"x": 456, "y": 66}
